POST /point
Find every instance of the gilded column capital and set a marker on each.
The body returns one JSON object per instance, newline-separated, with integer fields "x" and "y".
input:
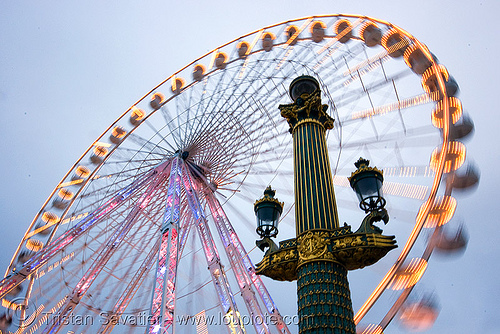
{"x": 307, "y": 109}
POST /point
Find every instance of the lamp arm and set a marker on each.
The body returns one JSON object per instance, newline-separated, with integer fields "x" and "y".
{"x": 374, "y": 216}
{"x": 266, "y": 242}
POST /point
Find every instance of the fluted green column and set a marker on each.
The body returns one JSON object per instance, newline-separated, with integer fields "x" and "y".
{"x": 315, "y": 206}
{"x": 324, "y": 302}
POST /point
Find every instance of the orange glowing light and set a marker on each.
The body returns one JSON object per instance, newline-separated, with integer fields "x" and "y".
{"x": 418, "y": 316}
{"x": 408, "y": 52}
{"x": 369, "y": 329}
{"x": 201, "y": 323}
{"x": 100, "y": 151}
{"x": 438, "y": 113}
{"x": 408, "y": 275}
{"x": 198, "y": 72}
{"x": 136, "y": 115}
{"x": 343, "y": 30}
{"x": 416, "y": 59}
{"x": 97, "y": 143}
{"x": 408, "y": 171}
{"x": 65, "y": 194}
{"x": 11, "y": 305}
{"x": 393, "y": 188}
{"x": 364, "y": 67}
{"x": 30, "y": 320}
{"x": 317, "y": 25}
{"x": 70, "y": 183}
{"x": 440, "y": 213}
{"x": 34, "y": 245}
{"x": 455, "y": 157}
{"x": 317, "y": 30}
{"x": 118, "y": 132}
{"x": 430, "y": 82}
{"x": 157, "y": 100}
{"x": 405, "y": 190}
{"x": 82, "y": 171}
{"x": 243, "y": 49}
{"x": 292, "y": 33}
{"x": 403, "y": 104}
{"x": 394, "y": 43}
{"x": 417, "y": 227}
{"x": 268, "y": 41}
{"x": 50, "y": 218}
{"x": 177, "y": 84}
{"x": 221, "y": 60}
{"x": 372, "y": 30}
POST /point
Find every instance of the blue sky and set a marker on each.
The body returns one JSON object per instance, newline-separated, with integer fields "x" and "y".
{"x": 68, "y": 69}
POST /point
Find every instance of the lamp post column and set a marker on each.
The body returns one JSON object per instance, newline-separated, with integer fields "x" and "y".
{"x": 324, "y": 303}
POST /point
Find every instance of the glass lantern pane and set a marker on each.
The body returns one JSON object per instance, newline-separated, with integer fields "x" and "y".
{"x": 368, "y": 187}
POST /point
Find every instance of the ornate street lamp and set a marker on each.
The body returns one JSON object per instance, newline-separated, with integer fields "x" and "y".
{"x": 367, "y": 183}
{"x": 267, "y": 211}
{"x": 322, "y": 252}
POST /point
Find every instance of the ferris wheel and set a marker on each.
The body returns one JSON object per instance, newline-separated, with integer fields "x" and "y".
{"x": 152, "y": 228}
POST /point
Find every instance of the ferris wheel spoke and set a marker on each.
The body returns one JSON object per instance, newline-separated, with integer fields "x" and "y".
{"x": 148, "y": 123}
{"x": 365, "y": 67}
{"x": 127, "y": 254}
{"x": 204, "y": 103}
{"x": 350, "y": 96}
{"x": 119, "y": 164}
{"x": 122, "y": 161}
{"x": 415, "y": 138}
{"x": 134, "y": 246}
{"x": 124, "y": 175}
{"x": 214, "y": 96}
{"x": 391, "y": 107}
{"x": 129, "y": 292}
{"x": 97, "y": 192}
{"x": 147, "y": 145}
{"x": 163, "y": 300}
{"x": 244, "y": 269}
{"x": 124, "y": 152}
{"x": 355, "y": 71}
{"x": 219, "y": 278}
{"x": 233, "y": 253}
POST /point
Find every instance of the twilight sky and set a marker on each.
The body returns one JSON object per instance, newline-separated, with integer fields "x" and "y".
{"x": 69, "y": 69}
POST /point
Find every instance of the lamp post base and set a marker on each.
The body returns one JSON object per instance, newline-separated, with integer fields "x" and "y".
{"x": 324, "y": 299}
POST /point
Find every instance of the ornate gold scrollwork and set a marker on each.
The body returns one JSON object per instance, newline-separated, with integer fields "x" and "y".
{"x": 312, "y": 245}
{"x": 280, "y": 265}
{"x": 352, "y": 250}
{"x": 311, "y": 110}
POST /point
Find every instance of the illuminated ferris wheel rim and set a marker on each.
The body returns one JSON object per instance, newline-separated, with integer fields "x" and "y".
{"x": 176, "y": 80}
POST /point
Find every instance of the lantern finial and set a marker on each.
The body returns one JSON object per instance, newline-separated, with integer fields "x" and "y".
{"x": 362, "y": 162}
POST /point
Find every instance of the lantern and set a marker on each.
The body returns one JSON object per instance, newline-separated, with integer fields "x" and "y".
{"x": 268, "y": 211}
{"x": 367, "y": 183}
{"x": 304, "y": 84}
